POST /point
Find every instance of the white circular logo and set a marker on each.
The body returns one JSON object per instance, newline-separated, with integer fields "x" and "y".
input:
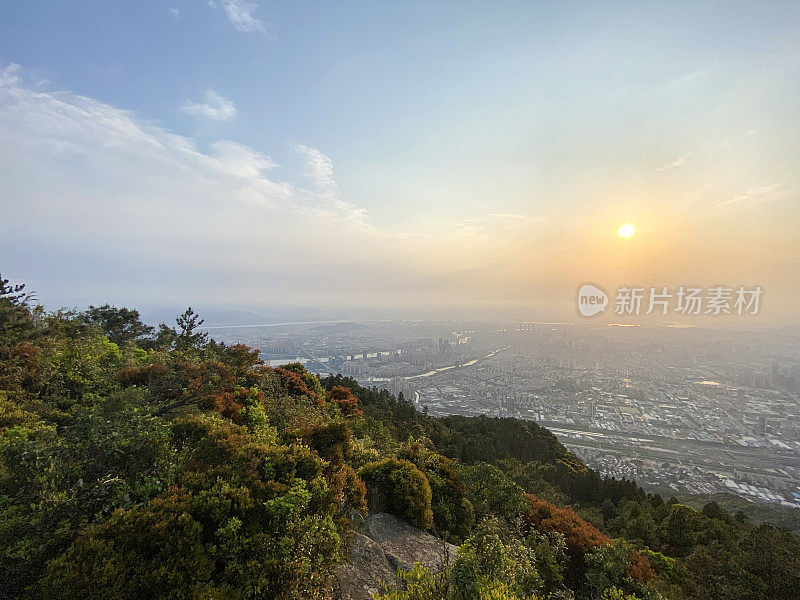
{"x": 591, "y": 300}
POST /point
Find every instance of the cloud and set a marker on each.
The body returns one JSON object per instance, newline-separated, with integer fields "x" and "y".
{"x": 506, "y": 216}
{"x": 240, "y": 13}
{"x": 175, "y": 12}
{"x": 675, "y": 163}
{"x": 763, "y": 193}
{"x": 10, "y": 74}
{"x": 106, "y": 152}
{"x": 319, "y": 169}
{"x": 319, "y": 172}
{"x": 240, "y": 160}
{"x": 215, "y": 107}
{"x": 102, "y": 205}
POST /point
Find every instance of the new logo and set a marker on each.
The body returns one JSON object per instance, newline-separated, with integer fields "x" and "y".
{"x": 591, "y": 300}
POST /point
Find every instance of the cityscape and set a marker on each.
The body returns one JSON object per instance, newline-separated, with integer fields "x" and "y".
{"x": 682, "y": 410}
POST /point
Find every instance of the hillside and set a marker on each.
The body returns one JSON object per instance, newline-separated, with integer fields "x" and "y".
{"x": 156, "y": 463}
{"x": 756, "y": 512}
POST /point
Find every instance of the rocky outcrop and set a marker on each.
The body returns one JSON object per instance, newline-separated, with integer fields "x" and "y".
{"x": 365, "y": 573}
{"x": 385, "y": 545}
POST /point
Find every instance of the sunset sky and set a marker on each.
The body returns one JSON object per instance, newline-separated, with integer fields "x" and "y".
{"x": 407, "y": 155}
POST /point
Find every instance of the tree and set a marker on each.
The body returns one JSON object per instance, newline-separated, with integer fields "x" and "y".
{"x": 186, "y": 336}
{"x": 773, "y": 555}
{"x": 345, "y": 400}
{"x": 15, "y": 316}
{"x": 492, "y": 493}
{"x": 121, "y": 325}
{"x": 680, "y": 529}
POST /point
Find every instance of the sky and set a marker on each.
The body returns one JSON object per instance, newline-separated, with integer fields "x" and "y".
{"x": 469, "y": 158}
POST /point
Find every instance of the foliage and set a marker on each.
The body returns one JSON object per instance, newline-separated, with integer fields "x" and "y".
{"x": 580, "y": 537}
{"x": 134, "y": 472}
{"x": 401, "y": 488}
{"x": 617, "y": 566}
{"x": 343, "y": 398}
{"x": 120, "y": 325}
{"x": 417, "y": 584}
{"x": 453, "y": 513}
{"x": 186, "y": 336}
{"x": 492, "y": 493}
{"x": 487, "y": 559}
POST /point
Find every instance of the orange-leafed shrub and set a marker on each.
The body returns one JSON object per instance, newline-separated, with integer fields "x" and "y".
{"x": 192, "y": 382}
{"x": 580, "y": 536}
{"x": 345, "y": 400}
{"x": 142, "y": 376}
{"x": 228, "y": 404}
{"x": 293, "y": 383}
{"x": 640, "y": 568}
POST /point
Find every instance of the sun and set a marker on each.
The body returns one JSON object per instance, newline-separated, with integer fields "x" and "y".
{"x": 626, "y": 230}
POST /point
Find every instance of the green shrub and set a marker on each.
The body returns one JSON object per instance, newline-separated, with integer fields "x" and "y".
{"x": 401, "y": 488}
{"x": 486, "y": 560}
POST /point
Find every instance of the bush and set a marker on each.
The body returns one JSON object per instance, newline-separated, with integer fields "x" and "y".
{"x": 401, "y": 488}
{"x": 618, "y": 566}
{"x": 345, "y": 400}
{"x": 580, "y": 536}
{"x": 155, "y": 551}
{"x": 488, "y": 566}
{"x": 417, "y": 584}
{"x": 453, "y": 514}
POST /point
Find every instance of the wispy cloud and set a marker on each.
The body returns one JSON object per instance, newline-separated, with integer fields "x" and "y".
{"x": 175, "y": 12}
{"x": 681, "y": 160}
{"x": 53, "y": 127}
{"x": 240, "y": 13}
{"x": 318, "y": 169}
{"x": 760, "y": 194}
{"x": 318, "y": 172}
{"x": 115, "y": 197}
{"x": 506, "y": 216}
{"x": 215, "y": 107}
{"x": 10, "y": 74}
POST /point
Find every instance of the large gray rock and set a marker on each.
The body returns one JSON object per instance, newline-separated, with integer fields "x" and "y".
{"x": 384, "y": 545}
{"x": 404, "y": 544}
{"x": 365, "y": 573}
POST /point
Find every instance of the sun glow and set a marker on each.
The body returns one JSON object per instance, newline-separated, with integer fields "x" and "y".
{"x": 626, "y": 230}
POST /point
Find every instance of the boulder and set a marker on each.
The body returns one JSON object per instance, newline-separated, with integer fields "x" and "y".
{"x": 404, "y": 544}
{"x": 385, "y": 545}
{"x": 365, "y": 573}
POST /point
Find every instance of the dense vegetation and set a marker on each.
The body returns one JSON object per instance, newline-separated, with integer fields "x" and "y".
{"x": 141, "y": 463}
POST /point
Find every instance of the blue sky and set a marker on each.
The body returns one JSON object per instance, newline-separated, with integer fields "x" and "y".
{"x": 406, "y": 153}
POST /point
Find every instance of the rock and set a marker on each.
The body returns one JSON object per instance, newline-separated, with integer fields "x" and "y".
{"x": 404, "y": 544}
{"x": 384, "y": 545}
{"x": 364, "y": 573}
